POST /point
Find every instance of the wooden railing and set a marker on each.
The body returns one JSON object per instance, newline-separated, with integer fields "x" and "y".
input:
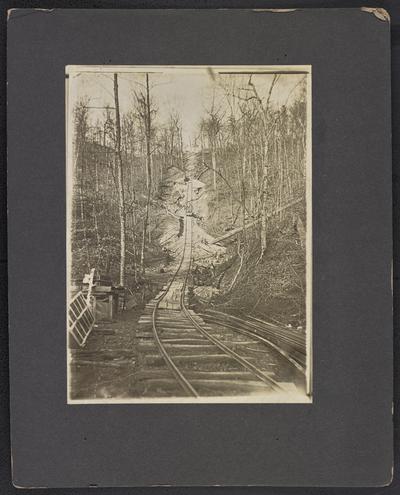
{"x": 80, "y": 314}
{"x": 80, "y": 319}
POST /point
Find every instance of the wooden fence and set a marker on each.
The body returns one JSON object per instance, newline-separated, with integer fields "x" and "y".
{"x": 80, "y": 319}
{"x": 81, "y": 315}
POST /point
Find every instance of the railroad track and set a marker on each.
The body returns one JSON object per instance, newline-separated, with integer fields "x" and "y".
{"x": 290, "y": 344}
{"x": 182, "y": 355}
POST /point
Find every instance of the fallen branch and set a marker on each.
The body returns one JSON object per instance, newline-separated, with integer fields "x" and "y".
{"x": 251, "y": 224}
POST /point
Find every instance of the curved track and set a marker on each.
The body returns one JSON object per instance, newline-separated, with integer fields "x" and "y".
{"x": 185, "y": 356}
{"x": 290, "y": 344}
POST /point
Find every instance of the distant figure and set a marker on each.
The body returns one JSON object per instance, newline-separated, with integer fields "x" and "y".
{"x": 301, "y": 231}
{"x": 178, "y": 199}
{"x": 212, "y": 266}
{"x": 181, "y": 227}
{"x": 196, "y": 273}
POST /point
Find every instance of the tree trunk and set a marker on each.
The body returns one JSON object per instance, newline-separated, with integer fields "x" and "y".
{"x": 243, "y": 194}
{"x": 214, "y": 166}
{"x": 148, "y": 176}
{"x": 263, "y": 200}
{"x": 120, "y": 179}
{"x": 80, "y": 159}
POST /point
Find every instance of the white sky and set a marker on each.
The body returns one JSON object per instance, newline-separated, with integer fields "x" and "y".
{"x": 189, "y": 93}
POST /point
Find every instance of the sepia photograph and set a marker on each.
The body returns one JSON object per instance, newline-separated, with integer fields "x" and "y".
{"x": 189, "y": 234}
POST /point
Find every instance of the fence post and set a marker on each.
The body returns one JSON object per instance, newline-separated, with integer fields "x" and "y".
{"x": 90, "y": 288}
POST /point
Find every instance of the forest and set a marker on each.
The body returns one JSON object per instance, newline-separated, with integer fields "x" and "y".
{"x": 245, "y": 146}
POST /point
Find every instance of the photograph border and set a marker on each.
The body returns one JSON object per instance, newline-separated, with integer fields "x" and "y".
{"x": 307, "y": 398}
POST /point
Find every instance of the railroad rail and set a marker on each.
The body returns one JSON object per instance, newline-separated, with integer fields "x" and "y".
{"x": 291, "y": 345}
{"x": 184, "y": 355}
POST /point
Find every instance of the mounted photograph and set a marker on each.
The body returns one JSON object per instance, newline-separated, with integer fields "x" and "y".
{"x": 189, "y": 234}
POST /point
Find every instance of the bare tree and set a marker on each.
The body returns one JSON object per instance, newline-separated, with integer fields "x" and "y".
{"x": 144, "y": 104}
{"x": 81, "y": 134}
{"x": 120, "y": 178}
{"x": 266, "y": 121}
